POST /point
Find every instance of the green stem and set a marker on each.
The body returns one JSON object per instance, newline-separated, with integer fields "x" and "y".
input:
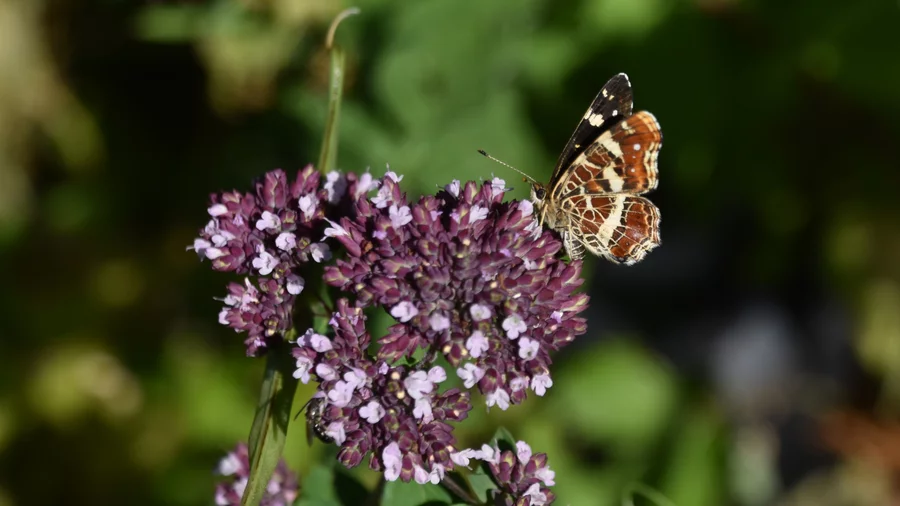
{"x": 464, "y": 493}
{"x": 328, "y": 153}
{"x": 273, "y": 414}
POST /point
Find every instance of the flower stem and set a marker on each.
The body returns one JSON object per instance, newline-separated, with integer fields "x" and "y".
{"x": 270, "y": 425}
{"x": 450, "y": 483}
{"x": 328, "y": 153}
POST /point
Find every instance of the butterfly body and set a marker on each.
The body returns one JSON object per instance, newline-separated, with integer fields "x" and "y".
{"x": 593, "y": 197}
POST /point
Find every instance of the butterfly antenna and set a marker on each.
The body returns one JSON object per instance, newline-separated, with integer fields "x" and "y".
{"x": 501, "y": 162}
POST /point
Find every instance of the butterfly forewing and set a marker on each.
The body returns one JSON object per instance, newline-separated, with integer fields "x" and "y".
{"x": 613, "y": 102}
{"x": 621, "y": 160}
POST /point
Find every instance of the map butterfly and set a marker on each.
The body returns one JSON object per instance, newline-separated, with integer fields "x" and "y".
{"x": 593, "y": 197}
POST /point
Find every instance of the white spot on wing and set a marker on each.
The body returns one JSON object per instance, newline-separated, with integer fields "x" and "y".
{"x": 594, "y": 119}
{"x": 637, "y": 147}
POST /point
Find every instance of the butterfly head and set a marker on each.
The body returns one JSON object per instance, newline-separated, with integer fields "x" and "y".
{"x": 538, "y": 194}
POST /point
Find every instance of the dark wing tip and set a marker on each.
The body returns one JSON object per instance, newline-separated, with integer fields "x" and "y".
{"x": 623, "y": 77}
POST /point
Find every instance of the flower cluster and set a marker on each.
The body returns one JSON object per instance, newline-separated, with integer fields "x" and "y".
{"x": 282, "y": 489}
{"x": 522, "y": 476}
{"x": 270, "y": 234}
{"x": 394, "y": 412}
{"x": 466, "y": 276}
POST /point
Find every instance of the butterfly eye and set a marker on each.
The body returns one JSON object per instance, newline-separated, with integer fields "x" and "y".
{"x": 539, "y": 193}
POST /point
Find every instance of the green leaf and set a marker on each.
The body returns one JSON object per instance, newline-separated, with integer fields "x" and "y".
{"x": 481, "y": 483}
{"x": 269, "y": 430}
{"x": 324, "y": 486}
{"x": 317, "y": 488}
{"x": 350, "y": 491}
{"x": 398, "y": 493}
{"x": 504, "y": 439}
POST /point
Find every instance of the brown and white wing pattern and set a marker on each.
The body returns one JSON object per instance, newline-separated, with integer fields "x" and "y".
{"x": 593, "y": 197}
{"x": 622, "y": 159}
{"x": 594, "y": 200}
{"x": 622, "y": 228}
{"x": 613, "y": 102}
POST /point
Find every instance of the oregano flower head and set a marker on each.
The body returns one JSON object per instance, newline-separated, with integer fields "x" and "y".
{"x": 470, "y": 281}
{"x": 465, "y": 278}
{"x": 271, "y": 233}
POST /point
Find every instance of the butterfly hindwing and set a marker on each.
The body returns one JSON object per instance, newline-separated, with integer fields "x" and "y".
{"x": 612, "y": 103}
{"x": 622, "y": 228}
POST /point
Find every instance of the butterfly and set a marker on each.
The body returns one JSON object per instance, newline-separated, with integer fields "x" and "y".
{"x": 594, "y": 198}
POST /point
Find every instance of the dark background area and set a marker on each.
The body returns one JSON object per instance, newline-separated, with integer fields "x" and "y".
{"x": 754, "y": 358}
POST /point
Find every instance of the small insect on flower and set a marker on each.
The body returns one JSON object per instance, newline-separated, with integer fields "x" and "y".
{"x": 594, "y": 198}
{"x": 315, "y": 410}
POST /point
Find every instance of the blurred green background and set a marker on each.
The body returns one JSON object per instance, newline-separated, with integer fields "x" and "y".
{"x": 752, "y": 359}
